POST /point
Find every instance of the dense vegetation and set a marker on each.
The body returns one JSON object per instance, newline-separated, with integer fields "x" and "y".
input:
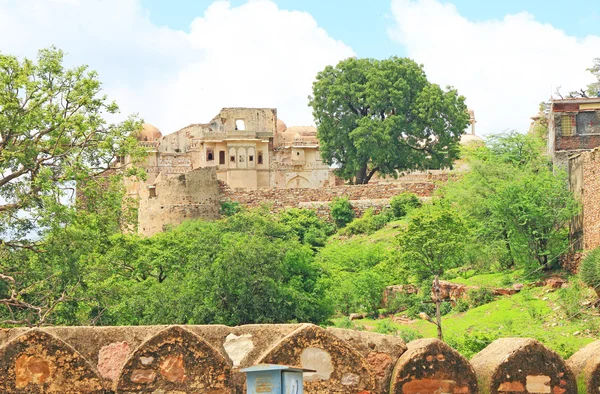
{"x": 502, "y": 222}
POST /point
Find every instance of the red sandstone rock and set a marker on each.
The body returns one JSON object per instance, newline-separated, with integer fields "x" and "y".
{"x": 111, "y": 359}
{"x": 555, "y": 283}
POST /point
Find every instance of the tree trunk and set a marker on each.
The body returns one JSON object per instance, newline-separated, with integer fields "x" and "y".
{"x": 508, "y": 249}
{"x": 361, "y": 175}
{"x": 438, "y": 314}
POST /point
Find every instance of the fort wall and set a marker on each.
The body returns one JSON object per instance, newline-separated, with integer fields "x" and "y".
{"x": 208, "y": 359}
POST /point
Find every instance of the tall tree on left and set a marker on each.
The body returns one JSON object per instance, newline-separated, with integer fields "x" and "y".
{"x": 54, "y": 142}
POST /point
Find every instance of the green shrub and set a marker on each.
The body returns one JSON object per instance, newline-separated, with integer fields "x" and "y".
{"x": 345, "y": 322}
{"x": 229, "y": 208}
{"x": 569, "y": 299}
{"x": 341, "y": 211}
{"x": 470, "y": 343}
{"x": 409, "y": 335}
{"x": 367, "y": 224}
{"x": 590, "y": 269}
{"x": 478, "y": 297}
{"x": 461, "y": 306}
{"x": 385, "y": 326}
{"x": 403, "y": 203}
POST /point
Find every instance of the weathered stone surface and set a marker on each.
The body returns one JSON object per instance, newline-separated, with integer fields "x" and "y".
{"x": 238, "y": 347}
{"x": 522, "y": 362}
{"x": 37, "y": 362}
{"x": 585, "y": 364}
{"x": 313, "y": 347}
{"x": 430, "y": 366}
{"x": 380, "y": 352}
{"x": 111, "y": 359}
{"x": 175, "y": 360}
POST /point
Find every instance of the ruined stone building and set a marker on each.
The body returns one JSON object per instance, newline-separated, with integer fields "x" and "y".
{"x": 573, "y": 142}
{"x": 243, "y": 148}
{"x": 241, "y": 153}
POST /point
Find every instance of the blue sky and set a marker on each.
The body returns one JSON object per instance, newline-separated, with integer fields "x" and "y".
{"x": 363, "y": 24}
{"x": 178, "y": 62}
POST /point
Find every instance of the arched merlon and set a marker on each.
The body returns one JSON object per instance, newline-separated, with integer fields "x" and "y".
{"x": 340, "y": 368}
{"x": 430, "y": 366}
{"x": 522, "y": 365}
{"x": 380, "y": 352}
{"x": 585, "y": 364}
{"x": 175, "y": 360}
{"x": 37, "y": 362}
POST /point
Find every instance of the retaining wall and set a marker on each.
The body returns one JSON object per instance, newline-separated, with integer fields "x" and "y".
{"x": 207, "y": 359}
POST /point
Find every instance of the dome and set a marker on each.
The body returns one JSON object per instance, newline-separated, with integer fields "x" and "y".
{"x": 149, "y": 133}
{"x": 467, "y": 139}
{"x": 304, "y": 131}
{"x": 281, "y": 126}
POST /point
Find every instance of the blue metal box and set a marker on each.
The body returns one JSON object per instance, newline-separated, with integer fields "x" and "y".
{"x": 274, "y": 379}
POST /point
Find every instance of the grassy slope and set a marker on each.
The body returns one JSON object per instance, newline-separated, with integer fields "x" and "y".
{"x": 533, "y": 313}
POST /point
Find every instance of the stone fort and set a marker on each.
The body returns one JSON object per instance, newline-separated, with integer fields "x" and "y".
{"x": 250, "y": 156}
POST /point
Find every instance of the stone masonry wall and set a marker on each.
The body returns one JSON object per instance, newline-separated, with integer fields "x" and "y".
{"x": 208, "y": 359}
{"x": 362, "y": 197}
{"x": 591, "y": 204}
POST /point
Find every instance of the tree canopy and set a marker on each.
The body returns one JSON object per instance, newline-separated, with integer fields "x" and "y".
{"x": 384, "y": 116}
{"x": 53, "y": 135}
{"x": 55, "y": 143}
{"x": 516, "y": 200}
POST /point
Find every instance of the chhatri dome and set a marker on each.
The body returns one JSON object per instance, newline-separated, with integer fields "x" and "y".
{"x": 149, "y": 133}
{"x": 467, "y": 139}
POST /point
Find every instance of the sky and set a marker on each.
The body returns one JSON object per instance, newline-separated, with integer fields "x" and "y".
{"x": 178, "y": 62}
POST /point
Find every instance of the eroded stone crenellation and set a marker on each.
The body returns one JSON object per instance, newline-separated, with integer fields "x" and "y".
{"x": 207, "y": 359}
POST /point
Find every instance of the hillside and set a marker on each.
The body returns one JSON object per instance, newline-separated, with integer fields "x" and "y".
{"x": 558, "y": 318}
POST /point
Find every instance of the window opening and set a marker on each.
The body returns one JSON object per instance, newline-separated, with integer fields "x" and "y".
{"x": 152, "y": 191}
{"x": 209, "y": 155}
{"x": 250, "y": 158}
{"x": 260, "y": 157}
{"x": 232, "y": 159}
{"x": 222, "y": 157}
{"x": 240, "y": 124}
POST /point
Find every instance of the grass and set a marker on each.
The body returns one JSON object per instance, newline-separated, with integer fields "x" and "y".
{"x": 532, "y": 313}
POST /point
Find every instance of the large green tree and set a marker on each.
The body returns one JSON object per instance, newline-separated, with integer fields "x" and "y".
{"x": 433, "y": 241}
{"x": 515, "y": 200}
{"x": 55, "y": 143}
{"x": 385, "y": 116}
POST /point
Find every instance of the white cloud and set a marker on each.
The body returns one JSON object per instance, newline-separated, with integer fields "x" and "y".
{"x": 505, "y": 67}
{"x": 253, "y": 55}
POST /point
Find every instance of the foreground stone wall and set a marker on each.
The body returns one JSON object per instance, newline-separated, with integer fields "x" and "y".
{"x": 207, "y": 359}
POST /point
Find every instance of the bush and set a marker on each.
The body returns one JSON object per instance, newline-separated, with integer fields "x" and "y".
{"x": 461, "y": 306}
{"x": 590, "y": 269}
{"x": 341, "y": 211}
{"x": 569, "y": 300}
{"x": 385, "y": 326}
{"x": 367, "y": 224}
{"x": 478, "y": 297}
{"x": 404, "y": 203}
{"x": 229, "y": 208}
{"x": 409, "y": 335}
